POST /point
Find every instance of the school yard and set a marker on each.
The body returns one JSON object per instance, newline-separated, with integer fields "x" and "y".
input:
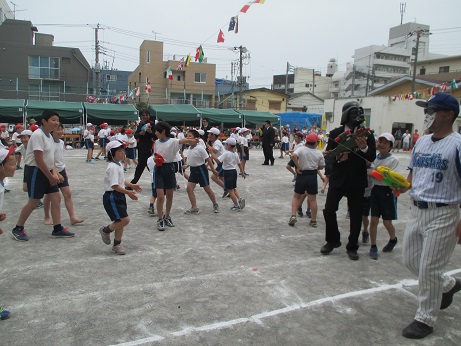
{"x": 242, "y": 278}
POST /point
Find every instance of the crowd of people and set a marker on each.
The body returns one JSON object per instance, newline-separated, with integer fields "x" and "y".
{"x": 435, "y": 178}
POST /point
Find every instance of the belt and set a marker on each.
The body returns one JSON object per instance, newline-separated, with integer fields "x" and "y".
{"x": 426, "y": 205}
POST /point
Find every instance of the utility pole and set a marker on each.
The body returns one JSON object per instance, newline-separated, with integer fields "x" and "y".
{"x": 97, "y": 68}
{"x": 419, "y": 32}
{"x": 286, "y": 78}
{"x": 242, "y": 50}
{"x": 403, "y": 6}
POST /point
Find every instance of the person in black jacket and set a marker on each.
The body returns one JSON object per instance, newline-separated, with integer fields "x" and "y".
{"x": 268, "y": 141}
{"x": 206, "y": 127}
{"x": 348, "y": 177}
{"x": 145, "y": 135}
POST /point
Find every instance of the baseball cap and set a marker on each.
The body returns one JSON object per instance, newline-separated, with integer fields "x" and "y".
{"x": 19, "y": 125}
{"x": 312, "y": 138}
{"x": 243, "y": 130}
{"x": 388, "y": 136}
{"x": 3, "y": 126}
{"x": 103, "y": 125}
{"x": 25, "y": 133}
{"x": 4, "y": 153}
{"x": 441, "y": 101}
{"x": 129, "y": 131}
{"x": 214, "y": 131}
{"x": 230, "y": 141}
{"x": 113, "y": 145}
{"x": 201, "y": 132}
{"x": 89, "y": 124}
{"x": 299, "y": 134}
{"x": 238, "y": 128}
{"x": 33, "y": 127}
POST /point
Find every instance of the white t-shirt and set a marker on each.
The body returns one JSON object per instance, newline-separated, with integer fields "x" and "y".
{"x": 243, "y": 141}
{"x": 131, "y": 142}
{"x": 120, "y": 137}
{"x": 88, "y": 134}
{"x": 297, "y": 145}
{"x": 59, "y": 155}
{"x": 15, "y": 138}
{"x": 406, "y": 137}
{"x": 389, "y": 161}
{"x": 202, "y": 143}
{"x": 309, "y": 158}
{"x": 21, "y": 150}
{"x": 103, "y": 133}
{"x": 4, "y": 135}
{"x": 168, "y": 148}
{"x": 114, "y": 176}
{"x": 150, "y": 167}
{"x": 285, "y": 139}
{"x": 229, "y": 159}
{"x": 40, "y": 141}
{"x": 219, "y": 147}
{"x": 196, "y": 156}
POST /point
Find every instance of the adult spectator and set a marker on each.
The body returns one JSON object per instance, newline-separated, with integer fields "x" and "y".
{"x": 414, "y": 138}
{"x": 206, "y": 126}
{"x": 268, "y": 142}
{"x": 398, "y": 140}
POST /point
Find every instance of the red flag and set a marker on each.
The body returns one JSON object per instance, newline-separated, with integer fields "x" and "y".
{"x": 148, "y": 88}
{"x": 220, "y": 36}
{"x": 245, "y": 8}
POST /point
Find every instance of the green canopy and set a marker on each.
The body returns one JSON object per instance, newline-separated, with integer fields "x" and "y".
{"x": 176, "y": 113}
{"x": 69, "y": 112}
{"x": 226, "y": 116}
{"x": 253, "y": 118}
{"x": 11, "y": 111}
{"x": 115, "y": 114}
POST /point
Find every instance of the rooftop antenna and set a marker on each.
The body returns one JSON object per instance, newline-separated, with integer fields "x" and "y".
{"x": 403, "y": 6}
{"x": 14, "y": 9}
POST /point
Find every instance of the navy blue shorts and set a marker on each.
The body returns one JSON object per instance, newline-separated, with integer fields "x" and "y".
{"x": 154, "y": 191}
{"x": 66, "y": 181}
{"x": 383, "y": 203}
{"x": 178, "y": 167}
{"x": 164, "y": 176}
{"x": 285, "y": 146}
{"x": 291, "y": 163}
{"x": 306, "y": 181}
{"x": 230, "y": 179}
{"x": 115, "y": 205}
{"x": 247, "y": 154}
{"x": 130, "y": 153}
{"x": 38, "y": 184}
{"x": 220, "y": 170}
{"x": 199, "y": 175}
{"x": 366, "y": 206}
{"x": 89, "y": 144}
{"x": 103, "y": 142}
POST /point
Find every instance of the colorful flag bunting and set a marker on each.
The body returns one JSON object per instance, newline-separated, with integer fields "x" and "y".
{"x": 169, "y": 73}
{"x": 231, "y": 24}
{"x": 258, "y": 1}
{"x": 148, "y": 88}
{"x": 454, "y": 85}
{"x": 220, "y": 37}
{"x": 199, "y": 54}
{"x": 180, "y": 65}
{"x": 138, "y": 92}
{"x": 188, "y": 60}
{"x": 245, "y": 8}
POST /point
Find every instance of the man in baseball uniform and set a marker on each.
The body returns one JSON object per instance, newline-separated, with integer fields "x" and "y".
{"x": 430, "y": 235}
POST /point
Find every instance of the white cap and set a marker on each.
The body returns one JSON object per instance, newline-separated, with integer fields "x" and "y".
{"x": 4, "y": 153}
{"x": 230, "y": 141}
{"x": 89, "y": 124}
{"x": 201, "y": 132}
{"x": 214, "y": 131}
{"x": 243, "y": 130}
{"x": 25, "y": 133}
{"x": 113, "y": 144}
{"x": 388, "y": 136}
{"x": 174, "y": 129}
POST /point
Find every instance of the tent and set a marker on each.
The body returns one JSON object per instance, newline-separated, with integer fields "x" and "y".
{"x": 11, "y": 111}
{"x": 300, "y": 118}
{"x": 69, "y": 112}
{"x": 176, "y": 113}
{"x": 254, "y": 118}
{"x": 115, "y": 114}
{"x": 218, "y": 116}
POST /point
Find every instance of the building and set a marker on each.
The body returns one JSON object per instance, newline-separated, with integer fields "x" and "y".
{"x": 5, "y": 11}
{"x": 113, "y": 85}
{"x": 305, "y": 102}
{"x": 260, "y": 99}
{"x": 191, "y": 85}
{"x": 33, "y": 68}
{"x": 439, "y": 65}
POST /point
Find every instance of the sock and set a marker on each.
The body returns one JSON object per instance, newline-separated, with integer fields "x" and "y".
{"x": 373, "y": 247}
{"x": 19, "y": 228}
{"x": 393, "y": 240}
{"x": 57, "y": 228}
{"x": 117, "y": 242}
{"x": 151, "y": 205}
{"x": 106, "y": 230}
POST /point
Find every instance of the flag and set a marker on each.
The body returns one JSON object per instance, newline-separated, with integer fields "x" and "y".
{"x": 187, "y": 60}
{"x": 169, "y": 73}
{"x": 138, "y": 92}
{"x": 199, "y": 54}
{"x": 236, "y": 25}
{"x": 220, "y": 37}
{"x": 148, "y": 88}
{"x": 258, "y": 1}
{"x": 180, "y": 64}
{"x": 245, "y": 8}
{"x": 454, "y": 85}
{"x": 231, "y": 24}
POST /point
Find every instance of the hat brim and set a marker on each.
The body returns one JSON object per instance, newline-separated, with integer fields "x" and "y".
{"x": 421, "y": 104}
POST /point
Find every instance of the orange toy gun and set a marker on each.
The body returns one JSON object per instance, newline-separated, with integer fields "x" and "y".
{"x": 158, "y": 159}
{"x": 391, "y": 178}
{"x": 346, "y": 140}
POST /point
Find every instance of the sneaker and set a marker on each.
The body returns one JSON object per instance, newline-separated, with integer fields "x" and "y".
{"x": 6, "y": 190}
{"x": 105, "y": 236}
{"x": 191, "y": 211}
{"x": 168, "y": 221}
{"x": 216, "y": 208}
{"x": 365, "y": 237}
{"x": 300, "y": 211}
{"x": 4, "y": 314}
{"x": 92, "y": 162}
{"x": 118, "y": 249}
{"x": 309, "y": 213}
{"x": 19, "y": 234}
{"x": 125, "y": 170}
{"x": 235, "y": 208}
{"x": 63, "y": 233}
{"x": 390, "y": 245}
{"x": 40, "y": 205}
{"x": 417, "y": 330}
{"x": 161, "y": 224}
{"x": 293, "y": 220}
{"x": 241, "y": 201}
{"x": 226, "y": 194}
{"x": 447, "y": 298}
{"x": 313, "y": 224}
{"x": 97, "y": 159}
{"x": 294, "y": 178}
{"x": 151, "y": 211}
{"x": 374, "y": 253}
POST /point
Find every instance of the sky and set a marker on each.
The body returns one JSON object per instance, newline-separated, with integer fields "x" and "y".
{"x": 303, "y": 33}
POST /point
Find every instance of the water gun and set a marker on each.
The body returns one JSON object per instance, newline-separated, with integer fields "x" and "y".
{"x": 391, "y": 178}
{"x": 158, "y": 159}
{"x": 145, "y": 127}
{"x": 346, "y": 140}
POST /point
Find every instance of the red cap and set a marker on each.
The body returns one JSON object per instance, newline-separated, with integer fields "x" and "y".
{"x": 33, "y": 127}
{"x": 312, "y": 138}
{"x": 112, "y": 132}
{"x": 128, "y": 131}
{"x": 19, "y": 126}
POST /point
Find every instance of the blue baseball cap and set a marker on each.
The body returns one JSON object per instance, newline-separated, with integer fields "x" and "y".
{"x": 442, "y": 101}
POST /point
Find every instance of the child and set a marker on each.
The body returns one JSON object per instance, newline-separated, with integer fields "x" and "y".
{"x": 165, "y": 149}
{"x": 42, "y": 178}
{"x": 366, "y": 205}
{"x": 383, "y": 202}
{"x": 244, "y": 152}
{"x": 88, "y": 136}
{"x": 297, "y": 143}
{"x": 4, "y": 135}
{"x": 7, "y": 168}
{"x": 103, "y": 135}
{"x": 230, "y": 160}
{"x": 150, "y": 167}
{"x": 16, "y": 143}
{"x": 215, "y": 146}
{"x": 196, "y": 158}
{"x": 64, "y": 181}
{"x": 308, "y": 160}
{"x": 114, "y": 199}
{"x": 285, "y": 144}
{"x": 130, "y": 149}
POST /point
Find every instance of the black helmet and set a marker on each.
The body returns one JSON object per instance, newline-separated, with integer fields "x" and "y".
{"x": 352, "y": 114}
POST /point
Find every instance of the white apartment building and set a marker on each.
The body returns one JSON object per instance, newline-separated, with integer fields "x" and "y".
{"x": 5, "y": 11}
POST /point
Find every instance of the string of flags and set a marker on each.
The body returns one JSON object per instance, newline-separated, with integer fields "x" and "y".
{"x": 120, "y": 99}
{"x": 426, "y": 93}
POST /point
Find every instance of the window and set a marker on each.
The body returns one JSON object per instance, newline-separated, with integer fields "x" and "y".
{"x": 275, "y": 105}
{"x": 178, "y": 78}
{"x": 443, "y": 69}
{"x": 111, "y": 77}
{"x": 200, "y": 77}
{"x": 148, "y": 57}
{"x": 367, "y": 114}
{"x": 422, "y": 71}
{"x": 41, "y": 67}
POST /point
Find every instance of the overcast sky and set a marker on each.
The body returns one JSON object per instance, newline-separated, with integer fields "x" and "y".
{"x": 304, "y": 33}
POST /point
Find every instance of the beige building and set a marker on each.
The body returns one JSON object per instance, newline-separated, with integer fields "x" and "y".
{"x": 191, "y": 85}
{"x": 261, "y": 100}
{"x": 438, "y": 65}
